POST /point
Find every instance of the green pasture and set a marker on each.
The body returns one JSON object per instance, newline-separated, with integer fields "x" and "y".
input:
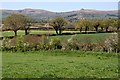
{"x": 21, "y": 32}
{"x": 59, "y": 64}
{"x": 93, "y": 37}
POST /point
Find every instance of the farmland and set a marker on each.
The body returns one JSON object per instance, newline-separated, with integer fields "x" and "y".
{"x": 21, "y": 32}
{"x": 59, "y": 47}
{"x": 60, "y": 64}
{"x": 94, "y": 37}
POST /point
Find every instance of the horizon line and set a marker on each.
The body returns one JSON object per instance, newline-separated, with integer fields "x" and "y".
{"x": 63, "y": 11}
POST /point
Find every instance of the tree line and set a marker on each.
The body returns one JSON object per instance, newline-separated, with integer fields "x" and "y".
{"x": 16, "y": 22}
{"x": 98, "y": 25}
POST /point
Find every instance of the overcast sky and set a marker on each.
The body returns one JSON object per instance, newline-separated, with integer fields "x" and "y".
{"x": 60, "y": 6}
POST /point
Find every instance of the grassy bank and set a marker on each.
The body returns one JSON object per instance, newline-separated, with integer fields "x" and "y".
{"x": 60, "y": 64}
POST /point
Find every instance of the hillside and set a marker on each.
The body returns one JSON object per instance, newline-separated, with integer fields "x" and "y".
{"x": 39, "y": 14}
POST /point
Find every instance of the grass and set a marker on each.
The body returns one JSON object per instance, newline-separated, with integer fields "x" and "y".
{"x": 93, "y": 38}
{"x": 84, "y": 37}
{"x": 21, "y": 32}
{"x": 11, "y": 33}
{"x": 60, "y": 64}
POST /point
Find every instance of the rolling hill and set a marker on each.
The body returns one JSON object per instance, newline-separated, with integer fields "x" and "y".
{"x": 39, "y": 14}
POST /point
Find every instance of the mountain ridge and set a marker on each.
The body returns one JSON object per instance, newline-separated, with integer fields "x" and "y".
{"x": 39, "y": 14}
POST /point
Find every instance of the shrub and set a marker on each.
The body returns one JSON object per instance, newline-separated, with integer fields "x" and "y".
{"x": 87, "y": 47}
{"x": 4, "y": 44}
{"x": 86, "y": 44}
{"x": 111, "y": 43}
{"x": 33, "y": 43}
{"x": 119, "y": 41}
{"x": 71, "y": 44}
{"x": 55, "y": 44}
{"x": 19, "y": 45}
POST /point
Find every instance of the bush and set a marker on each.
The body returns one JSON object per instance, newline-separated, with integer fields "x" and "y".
{"x": 19, "y": 45}
{"x": 111, "y": 43}
{"x": 119, "y": 41}
{"x": 71, "y": 44}
{"x": 33, "y": 43}
{"x": 5, "y": 45}
{"x": 55, "y": 44}
{"x": 87, "y": 47}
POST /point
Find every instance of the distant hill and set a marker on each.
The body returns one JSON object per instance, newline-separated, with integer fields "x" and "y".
{"x": 40, "y": 14}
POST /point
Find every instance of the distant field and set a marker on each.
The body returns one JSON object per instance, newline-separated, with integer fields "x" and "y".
{"x": 60, "y": 64}
{"x": 21, "y": 32}
{"x": 84, "y": 37}
{"x": 81, "y": 37}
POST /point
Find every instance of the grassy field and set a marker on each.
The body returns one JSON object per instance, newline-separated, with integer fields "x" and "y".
{"x": 81, "y": 37}
{"x": 21, "y": 32}
{"x": 84, "y": 37}
{"x": 60, "y": 64}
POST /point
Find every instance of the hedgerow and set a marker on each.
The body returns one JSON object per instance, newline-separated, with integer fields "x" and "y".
{"x": 34, "y": 43}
